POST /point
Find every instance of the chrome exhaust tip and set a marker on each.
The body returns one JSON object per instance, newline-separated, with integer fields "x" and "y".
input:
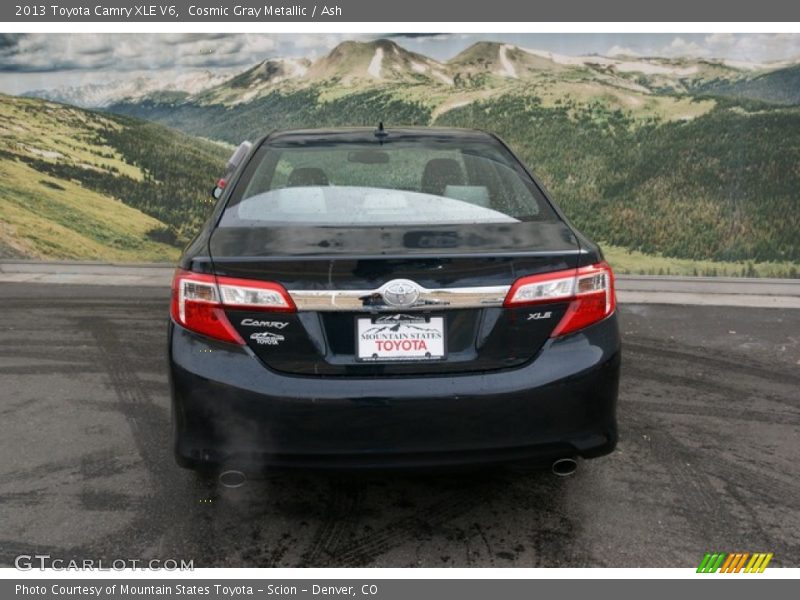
{"x": 232, "y": 479}
{"x": 564, "y": 467}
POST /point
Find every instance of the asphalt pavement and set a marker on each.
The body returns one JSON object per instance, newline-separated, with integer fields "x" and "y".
{"x": 708, "y": 459}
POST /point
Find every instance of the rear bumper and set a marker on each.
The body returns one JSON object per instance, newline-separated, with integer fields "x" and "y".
{"x": 230, "y": 411}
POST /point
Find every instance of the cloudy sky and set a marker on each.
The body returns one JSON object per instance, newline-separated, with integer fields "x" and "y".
{"x": 45, "y": 61}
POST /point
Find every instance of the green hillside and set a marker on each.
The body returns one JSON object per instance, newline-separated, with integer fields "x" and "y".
{"x": 307, "y": 107}
{"x": 722, "y": 186}
{"x": 779, "y": 87}
{"x": 84, "y": 185}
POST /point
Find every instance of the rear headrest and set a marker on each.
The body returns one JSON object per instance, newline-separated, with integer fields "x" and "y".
{"x": 307, "y": 176}
{"x": 438, "y": 174}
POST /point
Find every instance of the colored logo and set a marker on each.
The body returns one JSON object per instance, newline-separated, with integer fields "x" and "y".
{"x": 737, "y": 562}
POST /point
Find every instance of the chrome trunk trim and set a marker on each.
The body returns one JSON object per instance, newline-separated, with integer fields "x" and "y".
{"x": 372, "y": 300}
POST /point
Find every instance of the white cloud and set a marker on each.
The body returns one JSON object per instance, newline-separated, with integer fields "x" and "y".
{"x": 129, "y": 52}
{"x": 754, "y": 47}
{"x": 748, "y": 47}
{"x": 324, "y": 41}
{"x": 621, "y": 51}
{"x": 681, "y": 47}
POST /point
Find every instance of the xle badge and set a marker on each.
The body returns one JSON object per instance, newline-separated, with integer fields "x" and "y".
{"x": 539, "y": 315}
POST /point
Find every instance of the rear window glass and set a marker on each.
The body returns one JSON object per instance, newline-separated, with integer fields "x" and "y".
{"x": 403, "y": 182}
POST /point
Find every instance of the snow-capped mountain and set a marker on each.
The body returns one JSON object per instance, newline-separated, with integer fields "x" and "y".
{"x": 377, "y": 61}
{"x": 250, "y": 83}
{"x": 106, "y": 94}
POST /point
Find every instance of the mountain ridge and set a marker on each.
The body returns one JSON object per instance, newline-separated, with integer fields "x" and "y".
{"x": 104, "y": 94}
{"x": 383, "y": 61}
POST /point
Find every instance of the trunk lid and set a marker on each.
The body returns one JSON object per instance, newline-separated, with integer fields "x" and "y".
{"x": 335, "y": 275}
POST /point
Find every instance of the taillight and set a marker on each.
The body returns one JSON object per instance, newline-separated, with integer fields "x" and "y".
{"x": 199, "y": 302}
{"x": 589, "y": 291}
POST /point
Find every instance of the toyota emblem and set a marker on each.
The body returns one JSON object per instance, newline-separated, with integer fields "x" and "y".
{"x": 400, "y": 292}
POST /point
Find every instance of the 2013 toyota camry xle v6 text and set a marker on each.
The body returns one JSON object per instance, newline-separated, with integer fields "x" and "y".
{"x": 375, "y": 298}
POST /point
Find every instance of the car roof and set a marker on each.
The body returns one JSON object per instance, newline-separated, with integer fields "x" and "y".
{"x": 368, "y": 134}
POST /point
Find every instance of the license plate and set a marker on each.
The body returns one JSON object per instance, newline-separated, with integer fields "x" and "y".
{"x": 400, "y": 338}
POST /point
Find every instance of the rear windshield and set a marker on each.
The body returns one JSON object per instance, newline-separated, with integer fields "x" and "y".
{"x": 401, "y": 182}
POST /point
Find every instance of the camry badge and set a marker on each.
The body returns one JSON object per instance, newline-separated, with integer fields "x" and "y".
{"x": 400, "y": 293}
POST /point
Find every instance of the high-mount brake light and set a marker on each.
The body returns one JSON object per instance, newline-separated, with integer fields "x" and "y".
{"x": 199, "y": 301}
{"x": 589, "y": 291}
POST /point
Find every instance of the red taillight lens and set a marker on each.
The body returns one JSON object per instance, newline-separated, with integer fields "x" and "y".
{"x": 589, "y": 291}
{"x": 199, "y": 301}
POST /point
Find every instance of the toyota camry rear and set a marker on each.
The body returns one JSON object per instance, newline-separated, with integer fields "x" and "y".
{"x": 390, "y": 298}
